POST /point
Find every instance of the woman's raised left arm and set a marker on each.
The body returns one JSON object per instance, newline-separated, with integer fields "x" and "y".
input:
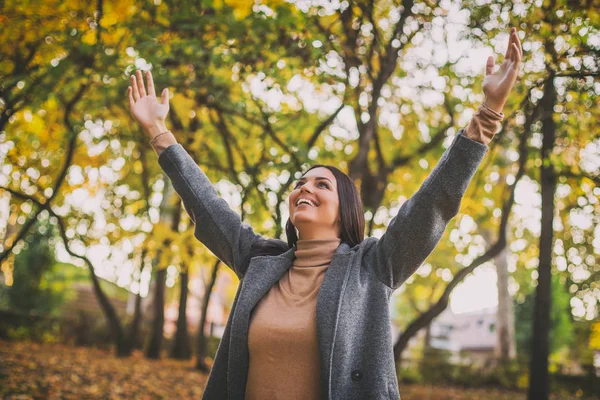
{"x": 421, "y": 221}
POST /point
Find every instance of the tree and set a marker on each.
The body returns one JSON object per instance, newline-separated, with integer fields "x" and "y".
{"x": 30, "y": 291}
{"x": 539, "y": 386}
{"x": 561, "y": 327}
{"x": 506, "y": 347}
{"x": 576, "y": 79}
{"x": 53, "y": 51}
{"x": 170, "y": 213}
{"x": 181, "y": 345}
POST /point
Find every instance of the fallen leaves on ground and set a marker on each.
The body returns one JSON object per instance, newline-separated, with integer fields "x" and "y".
{"x": 54, "y": 371}
{"x": 44, "y": 371}
{"x": 424, "y": 392}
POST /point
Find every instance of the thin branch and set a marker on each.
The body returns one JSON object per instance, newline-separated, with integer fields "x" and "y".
{"x": 580, "y": 175}
{"x": 322, "y": 126}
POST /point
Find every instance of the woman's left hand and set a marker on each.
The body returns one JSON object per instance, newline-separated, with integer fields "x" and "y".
{"x": 497, "y": 85}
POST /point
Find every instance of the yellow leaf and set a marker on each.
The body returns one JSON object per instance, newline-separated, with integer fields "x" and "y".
{"x": 241, "y": 8}
{"x": 595, "y": 337}
{"x": 89, "y": 37}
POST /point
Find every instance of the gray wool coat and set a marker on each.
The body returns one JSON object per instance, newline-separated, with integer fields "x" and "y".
{"x": 353, "y": 320}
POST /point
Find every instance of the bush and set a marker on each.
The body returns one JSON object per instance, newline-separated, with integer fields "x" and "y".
{"x": 436, "y": 369}
{"x": 87, "y": 329}
{"x": 28, "y": 327}
{"x": 409, "y": 376}
{"x": 32, "y": 290}
{"x": 435, "y": 365}
{"x": 565, "y": 385}
{"x": 508, "y": 374}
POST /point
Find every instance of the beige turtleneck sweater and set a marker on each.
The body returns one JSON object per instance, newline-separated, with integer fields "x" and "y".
{"x": 282, "y": 337}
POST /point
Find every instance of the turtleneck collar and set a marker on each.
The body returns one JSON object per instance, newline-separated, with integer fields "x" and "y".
{"x": 315, "y": 252}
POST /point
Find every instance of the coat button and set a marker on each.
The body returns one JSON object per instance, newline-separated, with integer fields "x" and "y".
{"x": 356, "y": 375}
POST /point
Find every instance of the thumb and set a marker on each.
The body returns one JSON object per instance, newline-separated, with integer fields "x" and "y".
{"x": 165, "y": 96}
{"x": 489, "y": 65}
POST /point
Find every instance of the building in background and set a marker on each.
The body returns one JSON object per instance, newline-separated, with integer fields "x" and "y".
{"x": 470, "y": 337}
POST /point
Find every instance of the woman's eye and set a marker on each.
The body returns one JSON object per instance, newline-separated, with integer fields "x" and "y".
{"x": 320, "y": 183}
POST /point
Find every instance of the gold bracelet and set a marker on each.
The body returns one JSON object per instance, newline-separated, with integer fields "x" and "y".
{"x": 156, "y": 137}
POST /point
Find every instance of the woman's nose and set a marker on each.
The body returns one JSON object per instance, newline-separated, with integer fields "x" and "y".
{"x": 304, "y": 188}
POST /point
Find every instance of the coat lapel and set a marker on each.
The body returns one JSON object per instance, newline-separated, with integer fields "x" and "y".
{"x": 263, "y": 272}
{"x": 328, "y": 308}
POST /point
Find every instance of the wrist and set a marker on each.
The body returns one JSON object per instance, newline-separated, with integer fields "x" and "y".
{"x": 162, "y": 141}
{"x": 493, "y": 106}
{"x": 155, "y": 129}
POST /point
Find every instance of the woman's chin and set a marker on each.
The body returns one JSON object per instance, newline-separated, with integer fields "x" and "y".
{"x": 302, "y": 217}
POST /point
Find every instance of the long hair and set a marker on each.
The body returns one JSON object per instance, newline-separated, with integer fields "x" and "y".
{"x": 352, "y": 219}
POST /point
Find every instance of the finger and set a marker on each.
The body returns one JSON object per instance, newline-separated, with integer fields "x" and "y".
{"x": 165, "y": 96}
{"x": 515, "y": 49}
{"x": 140, "y": 81}
{"x": 134, "y": 87}
{"x": 130, "y": 95}
{"x": 516, "y": 53}
{"x": 489, "y": 65}
{"x": 508, "y": 53}
{"x": 519, "y": 45}
{"x": 150, "y": 81}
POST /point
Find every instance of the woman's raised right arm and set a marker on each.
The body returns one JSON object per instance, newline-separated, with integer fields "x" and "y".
{"x": 217, "y": 226}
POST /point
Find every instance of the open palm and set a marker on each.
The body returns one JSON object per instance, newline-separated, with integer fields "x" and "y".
{"x": 144, "y": 105}
{"x": 497, "y": 85}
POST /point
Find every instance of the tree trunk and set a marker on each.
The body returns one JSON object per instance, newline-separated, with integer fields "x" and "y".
{"x": 201, "y": 340}
{"x": 505, "y": 318}
{"x": 181, "y": 345}
{"x": 114, "y": 323}
{"x": 134, "y": 328}
{"x": 539, "y": 383}
{"x": 427, "y": 339}
{"x": 158, "y": 304}
{"x": 170, "y": 210}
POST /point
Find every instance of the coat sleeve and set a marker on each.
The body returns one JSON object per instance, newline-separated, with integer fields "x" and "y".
{"x": 417, "y": 228}
{"x": 217, "y": 226}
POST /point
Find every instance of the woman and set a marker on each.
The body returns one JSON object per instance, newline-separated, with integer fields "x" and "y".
{"x": 310, "y": 319}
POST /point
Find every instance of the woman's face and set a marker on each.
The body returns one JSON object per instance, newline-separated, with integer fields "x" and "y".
{"x": 319, "y": 220}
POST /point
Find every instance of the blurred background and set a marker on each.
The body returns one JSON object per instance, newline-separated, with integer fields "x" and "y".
{"x": 104, "y": 291}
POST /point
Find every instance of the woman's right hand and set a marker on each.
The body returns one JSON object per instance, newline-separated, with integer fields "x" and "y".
{"x": 145, "y": 107}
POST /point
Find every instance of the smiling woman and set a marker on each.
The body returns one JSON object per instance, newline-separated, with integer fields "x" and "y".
{"x": 311, "y": 316}
{"x": 325, "y": 218}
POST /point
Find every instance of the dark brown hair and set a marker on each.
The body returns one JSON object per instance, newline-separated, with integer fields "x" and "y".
{"x": 352, "y": 218}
